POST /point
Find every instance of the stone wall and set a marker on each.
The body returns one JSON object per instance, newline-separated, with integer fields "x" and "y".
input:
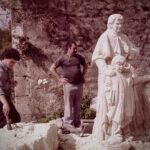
{"x": 48, "y": 25}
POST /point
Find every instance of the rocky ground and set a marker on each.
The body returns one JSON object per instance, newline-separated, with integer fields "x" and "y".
{"x": 48, "y": 136}
{"x": 29, "y": 136}
{"x": 75, "y": 142}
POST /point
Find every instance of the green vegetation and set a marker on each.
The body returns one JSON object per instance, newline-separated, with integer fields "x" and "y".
{"x": 5, "y": 39}
{"x": 5, "y": 4}
{"x": 5, "y": 34}
{"x": 51, "y": 116}
{"x": 86, "y": 111}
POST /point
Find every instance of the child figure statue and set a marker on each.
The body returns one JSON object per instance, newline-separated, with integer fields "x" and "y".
{"x": 119, "y": 98}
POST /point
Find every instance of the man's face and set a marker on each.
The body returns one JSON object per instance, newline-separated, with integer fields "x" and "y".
{"x": 73, "y": 49}
{"x": 10, "y": 63}
{"x": 117, "y": 25}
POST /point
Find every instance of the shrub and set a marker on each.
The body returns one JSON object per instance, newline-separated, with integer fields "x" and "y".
{"x": 86, "y": 111}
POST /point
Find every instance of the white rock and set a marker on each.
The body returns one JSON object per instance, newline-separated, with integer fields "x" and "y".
{"x": 29, "y": 136}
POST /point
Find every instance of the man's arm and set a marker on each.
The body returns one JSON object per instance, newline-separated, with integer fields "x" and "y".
{"x": 6, "y": 107}
{"x": 3, "y": 99}
{"x": 55, "y": 73}
{"x": 85, "y": 66}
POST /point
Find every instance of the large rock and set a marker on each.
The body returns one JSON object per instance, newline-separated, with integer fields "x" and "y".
{"x": 75, "y": 142}
{"x": 29, "y": 136}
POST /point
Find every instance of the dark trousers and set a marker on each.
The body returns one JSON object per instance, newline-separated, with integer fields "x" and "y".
{"x": 13, "y": 114}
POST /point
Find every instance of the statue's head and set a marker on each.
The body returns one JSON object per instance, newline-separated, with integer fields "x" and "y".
{"x": 119, "y": 62}
{"x": 115, "y": 22}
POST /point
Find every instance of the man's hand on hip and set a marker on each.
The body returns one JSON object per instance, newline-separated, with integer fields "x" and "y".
{"x": 63, "y": 80}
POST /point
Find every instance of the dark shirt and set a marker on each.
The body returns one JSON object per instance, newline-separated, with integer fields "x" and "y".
{"x": 71, "y": 67}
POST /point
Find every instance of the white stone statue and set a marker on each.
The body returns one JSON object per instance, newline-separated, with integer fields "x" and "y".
{"x": 121, "y": 99}
{"x": 113, "y": 41}
{"x": 119, "y": 96}
{"x": 112, "y": 119}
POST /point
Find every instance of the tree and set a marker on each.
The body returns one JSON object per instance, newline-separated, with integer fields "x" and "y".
{"x": 5, "y": 40}
{"x": 5, "y": 4}
{"x": 5, "y": 28}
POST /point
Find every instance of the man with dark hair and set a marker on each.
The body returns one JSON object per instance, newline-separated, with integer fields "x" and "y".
{"x": 9, "y": 57}
{"x": 72, "y": 79}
